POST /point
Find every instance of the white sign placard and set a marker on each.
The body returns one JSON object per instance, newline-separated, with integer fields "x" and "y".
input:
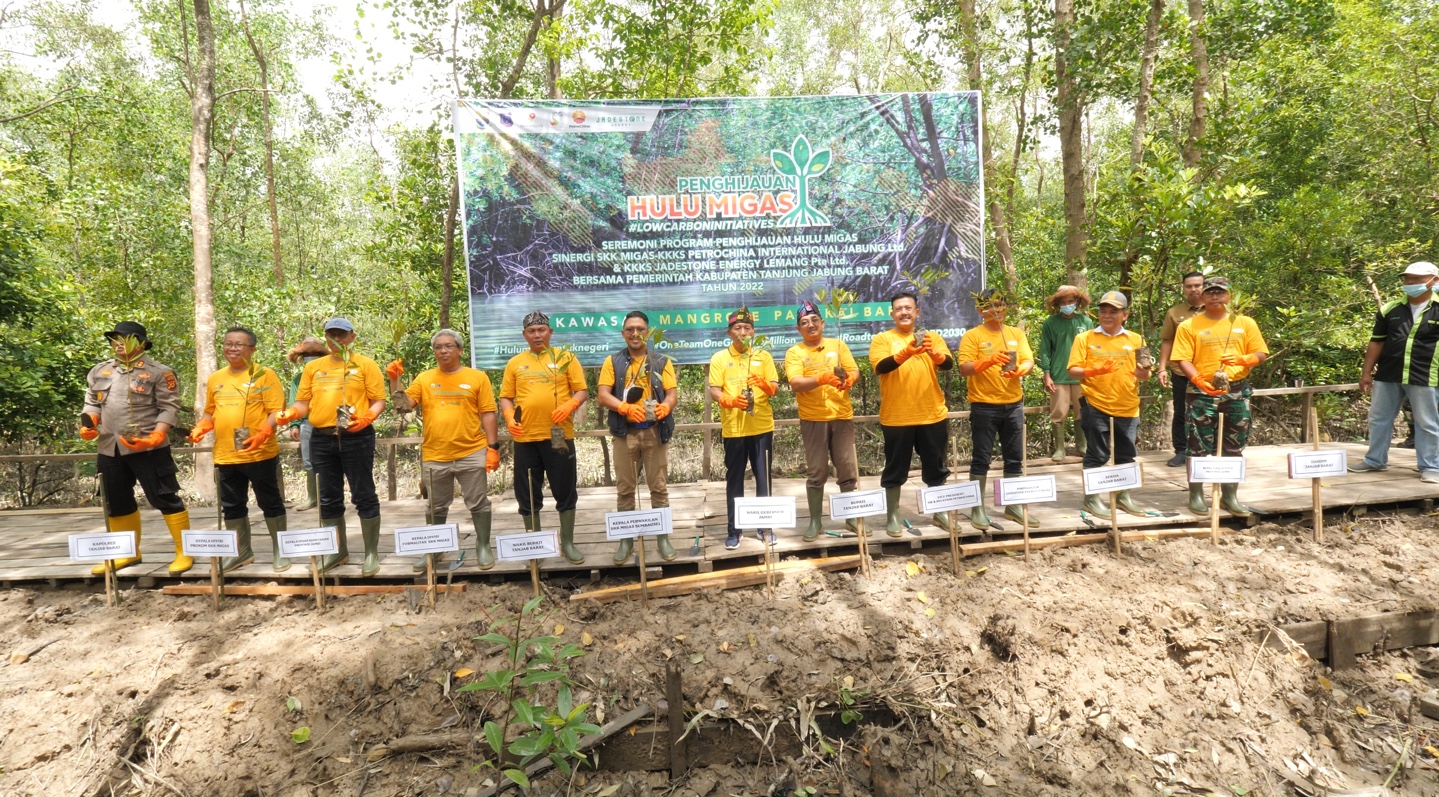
{"x": 526, "y": 546}
{"x": 439, "y": 538}
{"x": 1207, "y": 470}
{"x": 1317, "y": 464}
{"x": 1110, "y": 478}
{"x": 102, "y": 546}
{"x": 1017, "y": 490}
{"x": 638, "y": 523}
{"x": 960, "y": 495}
{"x": 764, "y": 513}
{"x": 210, "y": 542}
{"x": 309, "y": 542}
{"x": 857, "y": 504}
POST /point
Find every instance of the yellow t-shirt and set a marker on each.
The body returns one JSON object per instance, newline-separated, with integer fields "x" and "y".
{"x": 451, "y": 405}
{"x": 635, "y": 376}
{"x": 537, "y": 384}
{"x": 233, "y": 401}
{"x": 1117, "y": 392}
{"x": 987, "y": 386}
{"x": 730, "y": 371}
{"x": 824, "y": 403}
{"x": 910, "y": 394}
{"x": 1203, "y": 341}
{"x": 327, "y": 382}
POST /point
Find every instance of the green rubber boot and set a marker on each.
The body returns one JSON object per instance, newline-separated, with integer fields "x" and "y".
{"x": 622, "y": 553}
{"x": 892, "y": 525}
{"x": 1125, "y": 501}
{"x": 532, "y": 522}
{"x": 241, "y": 526}
{"x": 484, "y": 557}
{"x": 276, "y": 525}
{"x": 815, "y": 496}
{"x": 979, "y": 515}
{"x": 437, "y": 517}
{"x": 567, "y": 538}
{"x": 336, "y": 559}
{"x": 850, "y": 524}
{"x": 1196, "y": 499}
{"x": 1094, "y": 505}
{"x": 941, "y": 519}
{"x": 667, "y": 551}
{"x": 370, "y": 533}
{"x": 1013, "y": 513}
{"x": 312, "y": 489}
{"x": 1229, "y": 501}
{"x": 1081, "y": 441}
{"x": 1059, "y": 442}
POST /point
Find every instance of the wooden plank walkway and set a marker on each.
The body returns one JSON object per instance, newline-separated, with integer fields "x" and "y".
{"x": 33, "y": 544}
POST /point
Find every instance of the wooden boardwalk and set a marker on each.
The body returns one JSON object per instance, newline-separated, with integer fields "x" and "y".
{"x": 33, "y": 544}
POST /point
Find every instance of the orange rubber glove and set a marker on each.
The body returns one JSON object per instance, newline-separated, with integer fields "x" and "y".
{"x": 254, "y": 441}
{"x": 1106, "y": 366}
{"x": 932, "y": 341}
{"x": 89, "y": 426}
{"x": 662, "y": 411}
{"x": 634, "y": 412}
{"x": 562, "y": 412}
{"x": 1207, "y": 386}
{"x": 360, "y": 420}
{"x": 287, "y": 416}
{"x": 988, "y": 361}
{"x": 492, "y": 459}
{"x": 204, "y": 427}
{"x": 154, "y": 439}
{"x": 395, "y": 369}
{"x": 733, "y": 402}
{"x": 1245, "y": 360}
{"x": 829, "y": 379}
{"x": 850, "y": 381}
{"x": 1024, "y": 369}
{"x": 769, "y": 388}
{"x": 515, "y": 429}
{"x": 907, "y": 352}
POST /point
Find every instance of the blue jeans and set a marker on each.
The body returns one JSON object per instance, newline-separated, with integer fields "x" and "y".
{"x": 1384, "y": 408}
{"x": 306, "y": 432}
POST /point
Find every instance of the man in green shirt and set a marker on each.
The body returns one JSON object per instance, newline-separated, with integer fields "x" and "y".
{"x": 1068, "y": 316}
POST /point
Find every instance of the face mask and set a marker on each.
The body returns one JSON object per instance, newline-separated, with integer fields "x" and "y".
{"x": 1068, "y": 309}
{"x": 1415, "y": 291}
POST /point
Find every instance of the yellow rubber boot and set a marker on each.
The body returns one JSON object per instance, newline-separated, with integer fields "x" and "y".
{"x": 178, "y": 522}
{"x": 130, "y": 522}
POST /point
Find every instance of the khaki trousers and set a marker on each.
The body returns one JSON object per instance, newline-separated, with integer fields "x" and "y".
{"x": 825, "y": 442}
{"x": 470, "y": 473}
{"x": 1065, "y": 400}
{"x": 641, "y": 446}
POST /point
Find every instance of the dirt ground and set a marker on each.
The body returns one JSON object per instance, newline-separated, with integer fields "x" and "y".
{"x": 1075, "y": 673}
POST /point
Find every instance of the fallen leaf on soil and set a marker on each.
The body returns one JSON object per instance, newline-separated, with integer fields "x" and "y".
{"x": 912, "y": 569}
{"x": 668, "y": 654}
{"x": 585, "y": 639}
{"x": 464, "y": 672}
{"x": 984, "y": 777}
{"x": 1361, "y": 711}
{"x": 1326, "y": 683}
{"x": 1403, "y": 676}
{"x": 725, "y": 647}
{"x": 929, "y": 612}
{"x": 1431, "y": 750}
{"x": 19, "y": 657}
{"x": 559, "y": 629}
{"x": 292, "y": 703}
{"x": 300, "y": 735}
{"x": 696, "y": 658}
{"x": 679, "y": 637}
{"x": 342, "y": 759}
{"x": 606, "y": 792}
{"x": 922, "y": 598}
{"x": 234, "y": 706}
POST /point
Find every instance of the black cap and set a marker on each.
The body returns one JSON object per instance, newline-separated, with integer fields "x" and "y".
{"x": 130, "y": 328}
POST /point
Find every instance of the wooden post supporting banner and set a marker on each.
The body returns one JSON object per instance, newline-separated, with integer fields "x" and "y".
{"x": 1113, "y": 505}
{"x": 430, "y": 579}
{"x": 769, "y": 533}
{"x": 319, "y": 582}
{"x": 1024, "y": 471}
{"x": 1214, "y": 487}
{"x": 1318, "y": 499}
{"x": 953, "y": 524}
{"x": 217, "y": 579}
{"x": 644, "y": 579}
{"x": 859, "y": 527}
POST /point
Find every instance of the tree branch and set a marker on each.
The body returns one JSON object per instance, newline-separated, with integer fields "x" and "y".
{"x": 56, "y": 100}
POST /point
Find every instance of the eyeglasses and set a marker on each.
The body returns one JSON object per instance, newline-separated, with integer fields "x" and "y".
{"x": 237, "y": 346}
{"x": 444, "y": 347}
{"x": 635, "y": 330}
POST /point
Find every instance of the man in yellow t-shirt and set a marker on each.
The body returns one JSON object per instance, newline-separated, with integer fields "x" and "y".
{"x": 995, "y": 357}
{"x": 241, "y": 402}
{"x": 1216, "y": 350}
{"x": 461, "y": 442}
{"x": 912, "y": 414}
{"x": 342, "y": 395}
{"x": 821, "y": 372}
{"x": 639, "y": 389}
{"x": 1105, "y": 361}
{"x": 541, "y": 389}
{"x": 742, "y": 379}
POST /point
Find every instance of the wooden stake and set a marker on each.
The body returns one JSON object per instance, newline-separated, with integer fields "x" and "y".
{"x": 1315, "y": 488}
{"x": 1024, "y": 471}
{"x": 1214, "y": 486}
{"x": 859, "y": 527}
{"x": 644, "y": 580}
{"x": 430, "y": 579}
{"x": 954, "y": 539}
{"x": 215, "y": 591}
{"x": 768, "y": 535}
{"x": 1113, "y": 505}
{"x": 319, "y": 582}
{"x": 535, "y": 513}
{"x": 217, "y": 579}
{"x": 112, "y": 592}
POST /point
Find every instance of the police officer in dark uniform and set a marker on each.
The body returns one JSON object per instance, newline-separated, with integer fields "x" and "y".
{"x": 130, "y": 404}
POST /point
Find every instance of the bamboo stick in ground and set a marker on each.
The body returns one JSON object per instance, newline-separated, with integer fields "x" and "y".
{"x": 1113, "y": 505}
{"x": 1214, "y": 486}
{"x": 1315, "y": 487}
{"x": 1024, "y": 471}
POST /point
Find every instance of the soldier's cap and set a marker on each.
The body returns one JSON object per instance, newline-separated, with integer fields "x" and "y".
{"x": 342, "y": 324}
{"x": 536, "y": 319}
{"x": 1216, "y": 284}
{"x": 741, "y": 316}
{"x": 130, "y": 328}
{"x": 1422, "y": 269}
{"x": 807, "y": 308}
{"x": 1115, "y": 299}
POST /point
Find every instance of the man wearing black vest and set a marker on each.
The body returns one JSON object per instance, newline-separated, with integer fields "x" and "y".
{"x": 638, "y": 388}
